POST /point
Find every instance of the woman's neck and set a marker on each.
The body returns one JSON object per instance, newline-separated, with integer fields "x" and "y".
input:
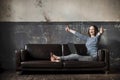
{"x": 92, "y": 36}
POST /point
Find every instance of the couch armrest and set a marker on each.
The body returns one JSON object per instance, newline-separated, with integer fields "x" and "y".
{"x": 24, "y": 55}
{"x": 20, "y": 55}
{"x": 107, "y": 58}
{"x": 18, "y": 59}
{"x": 103, "y": 55}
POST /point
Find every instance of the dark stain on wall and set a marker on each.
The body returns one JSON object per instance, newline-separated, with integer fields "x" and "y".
{"x": 39, "y": 3}
{"x": 5, "y": 10}
{"x": 14, "y": 35}
{"x": 47, "y": 19}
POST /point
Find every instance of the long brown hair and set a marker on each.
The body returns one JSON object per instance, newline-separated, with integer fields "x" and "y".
{"x": 96, "y": 30}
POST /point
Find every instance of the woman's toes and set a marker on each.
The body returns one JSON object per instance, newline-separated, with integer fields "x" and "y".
{"x": 51, "y": 59}
{"x": 57, "y": 60}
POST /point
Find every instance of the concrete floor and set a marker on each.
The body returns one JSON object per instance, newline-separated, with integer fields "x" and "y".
{"x": 12, "y": 75}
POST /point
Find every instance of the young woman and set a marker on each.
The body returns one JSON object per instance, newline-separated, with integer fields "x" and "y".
{"x": 91, "y": 44}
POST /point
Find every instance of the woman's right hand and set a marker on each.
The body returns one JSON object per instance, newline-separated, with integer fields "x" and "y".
{"x": 101, "y": 30}
{"x": 67, "y": 28}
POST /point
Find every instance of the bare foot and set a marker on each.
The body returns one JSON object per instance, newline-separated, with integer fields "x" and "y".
{"x": 51, "y": 59}
{"x": 53, "y": 55}
{"x": 54, "y": 58}
{"x": 57, "y": 61}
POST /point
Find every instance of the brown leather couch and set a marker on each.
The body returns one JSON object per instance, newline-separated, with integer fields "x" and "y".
{"x": 36, "y": 57}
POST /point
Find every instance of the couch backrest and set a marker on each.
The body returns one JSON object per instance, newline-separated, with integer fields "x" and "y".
{"x": 42, "y": 51}
{"x": 81, "y": 49}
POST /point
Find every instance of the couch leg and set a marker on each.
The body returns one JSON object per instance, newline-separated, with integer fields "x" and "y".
{"x": 106, "y": 72}
{"x": 19, "y": 72}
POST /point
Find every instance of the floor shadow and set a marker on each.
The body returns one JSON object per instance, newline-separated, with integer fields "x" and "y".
{"x": 60, "y": 72}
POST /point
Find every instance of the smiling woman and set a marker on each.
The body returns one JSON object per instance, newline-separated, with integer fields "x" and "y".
{"x": 91, "y": 43}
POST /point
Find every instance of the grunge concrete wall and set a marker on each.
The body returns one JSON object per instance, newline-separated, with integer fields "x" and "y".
{"x": 59, "y": 10}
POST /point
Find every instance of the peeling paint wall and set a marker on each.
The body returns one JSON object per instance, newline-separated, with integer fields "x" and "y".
{"x": 33, "y": 12}
{"x": 14, "y": 35}
{"x": 59, "y": 10}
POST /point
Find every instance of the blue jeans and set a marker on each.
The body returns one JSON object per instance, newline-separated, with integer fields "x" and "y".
{"x": 76, "y": 57}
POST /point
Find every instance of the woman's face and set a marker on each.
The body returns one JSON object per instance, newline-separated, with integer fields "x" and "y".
{"x": 92, "y": 31}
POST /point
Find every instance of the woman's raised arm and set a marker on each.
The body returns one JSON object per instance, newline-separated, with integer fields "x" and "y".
{"x": 101, "y": 31}
{"x": 83, "y": 37}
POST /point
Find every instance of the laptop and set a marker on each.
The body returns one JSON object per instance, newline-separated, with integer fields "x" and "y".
{"x": 72, "y": 48}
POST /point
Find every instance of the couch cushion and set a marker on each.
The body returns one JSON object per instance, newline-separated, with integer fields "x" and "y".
{"x": 42, "y": 51}
{"x": 80, "y": 48}
{"x": 41, "y": 64}
{"x": 83, "y": 64}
